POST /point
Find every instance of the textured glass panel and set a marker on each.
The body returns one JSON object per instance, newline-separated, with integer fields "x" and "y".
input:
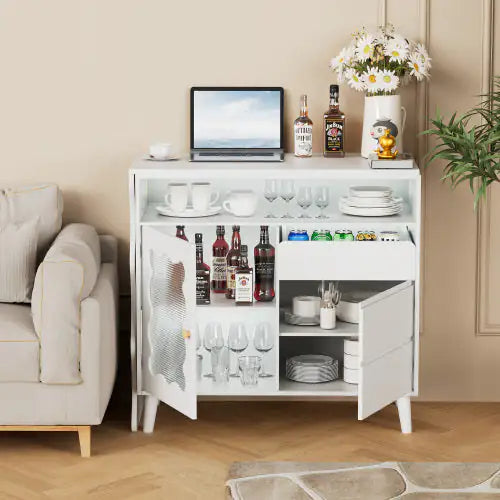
{"x": 168, "y": 310}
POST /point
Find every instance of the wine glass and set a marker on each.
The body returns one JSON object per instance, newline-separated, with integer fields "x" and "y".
{"x": 213, "y": 339}
{"x": 271, "y": 194}
{"x": 237, "y": 341}
{"x": 304, "y": 200}
{"x": 322, "y": 199}
{"x": 287, "y": 193}
{"x": 263, "y": 341}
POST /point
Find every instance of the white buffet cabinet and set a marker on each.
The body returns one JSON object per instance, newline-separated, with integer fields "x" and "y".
{"x": 165, "y": 317}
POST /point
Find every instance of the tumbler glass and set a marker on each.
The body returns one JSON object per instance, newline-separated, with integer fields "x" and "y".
{"x": 220, "y": 364}
{"x": 249, "y": 369}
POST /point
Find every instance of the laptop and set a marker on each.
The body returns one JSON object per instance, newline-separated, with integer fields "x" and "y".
{"x": 237, "y": 124}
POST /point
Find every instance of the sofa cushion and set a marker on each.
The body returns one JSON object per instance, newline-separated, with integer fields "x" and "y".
{"x": 66, "y": 276}
{"x": 19, "y": 345}
{"x": 18, "y": 249}
{"x": 25, "y": 203}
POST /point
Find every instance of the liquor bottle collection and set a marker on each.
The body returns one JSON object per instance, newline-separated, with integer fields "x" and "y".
{"x": 333, "y": 128}
{"x": 231, "y": 273}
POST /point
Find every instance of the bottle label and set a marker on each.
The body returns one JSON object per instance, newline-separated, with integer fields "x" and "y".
{"x": 334, "y": 135}
{"x": 303, "y": 139}
{"x": 244, "y": 287}
{"x": 202, "y": 289}
{"x": 264, "y": 268}
{"x": 219, "y": 267}
{"x": 231, "y": 283}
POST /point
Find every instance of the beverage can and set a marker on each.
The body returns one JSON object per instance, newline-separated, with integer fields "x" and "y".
{"x": 322, "y": 235}
{"x": 349, "y": 236}
{"x": 298, "y": 235}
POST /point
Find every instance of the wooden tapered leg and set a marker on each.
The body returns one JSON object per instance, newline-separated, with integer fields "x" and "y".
{"x": 149, "y": 415}
{"x": 84, "y": 438}
{"x": 404, "y": 410}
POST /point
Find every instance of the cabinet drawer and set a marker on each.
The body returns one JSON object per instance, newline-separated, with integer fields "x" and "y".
{"x": 346, "y": 260}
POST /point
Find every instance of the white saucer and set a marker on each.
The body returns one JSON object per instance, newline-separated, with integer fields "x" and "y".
{"x": 188, "y": 213}
{"x": 152, "y": 158}
{"x": 294, "y": 319}
{"x": 370, "y": 191}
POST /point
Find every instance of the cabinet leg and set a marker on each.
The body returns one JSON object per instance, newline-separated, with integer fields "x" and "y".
{"x": 84, "y": 438}
{"x": 404, "y": 410}
{"x": 150, "y": 407}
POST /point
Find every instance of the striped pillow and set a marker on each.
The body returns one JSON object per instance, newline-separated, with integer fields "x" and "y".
{"x": 18, "y": 246}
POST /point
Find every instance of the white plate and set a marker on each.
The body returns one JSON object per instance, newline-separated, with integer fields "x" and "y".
{"x": 369, "y": 212}
{"x": 355, "y": 201}
{"x": 370, "y": 191}
{"x": 188, "y": 213}
{"x": 294, "y": 319}
{"x": 311, "y": 359}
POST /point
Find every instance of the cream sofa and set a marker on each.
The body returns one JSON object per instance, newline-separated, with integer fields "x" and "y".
{"x": 58, "y": 355}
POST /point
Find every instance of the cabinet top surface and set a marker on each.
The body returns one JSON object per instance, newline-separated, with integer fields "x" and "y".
{"x": 352, "y": 166}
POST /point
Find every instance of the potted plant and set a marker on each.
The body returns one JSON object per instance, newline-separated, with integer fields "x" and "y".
{"x": 379, "y": 64}
{"x": 470, "y": 144}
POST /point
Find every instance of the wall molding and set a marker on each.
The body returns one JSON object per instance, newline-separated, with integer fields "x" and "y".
{"x": 484, "y": 216}
{"x": 382, "y": 13}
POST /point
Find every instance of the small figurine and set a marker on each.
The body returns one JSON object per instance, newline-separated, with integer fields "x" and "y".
{"x": 386, "y": 143}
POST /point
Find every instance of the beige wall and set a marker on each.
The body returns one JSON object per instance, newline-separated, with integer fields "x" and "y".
{"x": 86, "y": 85}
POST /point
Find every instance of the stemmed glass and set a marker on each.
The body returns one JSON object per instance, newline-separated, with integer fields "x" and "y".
{"x": 322, "y": 199}
{"x": 213, "y": 339}
{"x": 287, "y": 192}
{"x": 237, "y": 341}
{"x": 304, "y": 200}
{"x": 271, "y": 194}
{"x": 263, "y": 342}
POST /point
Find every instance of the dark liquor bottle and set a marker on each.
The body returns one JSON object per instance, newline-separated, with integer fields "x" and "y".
{"x": 264, "y": 268}
{"x": 180, "y": 233}
{"x": 202, "y": 273}
{"x": 333, "y": 126}
{"x": 233, "y": 261}
{"x": 219, "y": 263}
{"x": 244, "y": 280}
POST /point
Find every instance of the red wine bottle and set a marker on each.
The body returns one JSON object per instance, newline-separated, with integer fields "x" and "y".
{"x": 264, "y": 268}
{"x": 219, "y": 263}
{"x": 233, "y": 262}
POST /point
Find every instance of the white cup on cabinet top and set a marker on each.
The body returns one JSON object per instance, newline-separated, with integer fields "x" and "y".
{"x": 203, "y": 196}
{"x": 242, "y": 203}
{"x": 177, "y": 196}
{"x": 160, "y": 150}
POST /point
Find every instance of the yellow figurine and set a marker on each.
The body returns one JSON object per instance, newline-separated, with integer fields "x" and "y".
{"x": 386, "y": 143}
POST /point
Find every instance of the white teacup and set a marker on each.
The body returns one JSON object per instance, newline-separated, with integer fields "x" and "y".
{"x": 160, "y": 150}
{"x": 177, "y": 196}
{"x": 203, "y": 196}
{"x": 242, "y": 203}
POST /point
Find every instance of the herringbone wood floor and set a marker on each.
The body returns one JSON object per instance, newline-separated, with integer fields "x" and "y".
{"x": 189, "y": 460}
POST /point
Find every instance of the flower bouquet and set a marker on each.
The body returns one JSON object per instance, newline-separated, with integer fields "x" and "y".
{"x": 378, "y": 64}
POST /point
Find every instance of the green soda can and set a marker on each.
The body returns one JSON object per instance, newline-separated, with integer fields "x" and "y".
{"x": 322, "y": 235}
{"x": 339, "y": 235}
{"x": 349, "y": 236}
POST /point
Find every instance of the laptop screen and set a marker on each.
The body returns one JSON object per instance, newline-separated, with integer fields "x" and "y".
{"x": 236, "y": 118}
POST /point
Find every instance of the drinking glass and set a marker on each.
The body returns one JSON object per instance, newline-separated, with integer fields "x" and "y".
{"x": 220, "y": 364}
{"x": 237, "y": 341}
{"x": 322, "y": 199}
{"x": 271, "y": 194}
{"x": 249, "y": 367}
{"x": 304, "y": 200}
{"x": 263, "y": 342}
{"x": 287, "y": 193}
{"x": 213, "y": 339}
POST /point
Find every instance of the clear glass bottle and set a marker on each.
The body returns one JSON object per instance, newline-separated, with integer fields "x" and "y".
{"x": 302, "y": 128}
{"x": 333, "y": 126}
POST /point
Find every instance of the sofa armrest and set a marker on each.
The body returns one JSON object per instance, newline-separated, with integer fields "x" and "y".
{"x": 109, "y": 249}
{"x": 65, "y": 278}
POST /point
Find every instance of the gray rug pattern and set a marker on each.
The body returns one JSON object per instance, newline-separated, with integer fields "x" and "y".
{"x": 353, "y": 481}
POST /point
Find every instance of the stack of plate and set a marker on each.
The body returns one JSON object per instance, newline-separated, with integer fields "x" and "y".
{"x": 312, "y": 368}
{"x": 370, "y": 201}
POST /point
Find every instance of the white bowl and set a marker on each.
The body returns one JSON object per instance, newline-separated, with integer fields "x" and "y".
{"x": 351, "y": 347}
{"x": 351, "y": 376}
{"x": 351, "y": 361}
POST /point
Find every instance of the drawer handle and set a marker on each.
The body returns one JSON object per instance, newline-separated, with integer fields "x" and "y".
{"x": 186, "y": 334}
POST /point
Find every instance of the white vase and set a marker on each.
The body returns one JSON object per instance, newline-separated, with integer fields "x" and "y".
{"x": 382, "y": 112}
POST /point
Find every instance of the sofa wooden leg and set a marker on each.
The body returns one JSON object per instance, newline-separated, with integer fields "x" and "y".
{"x": 84, "y": 438}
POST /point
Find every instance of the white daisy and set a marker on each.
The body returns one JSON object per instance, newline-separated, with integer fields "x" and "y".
{"x": 354, "y": 80}
{"x": 396, "y": 49}
{"x": 416, "y": 68}
{"x": 338, "y": 63}
{"x": 372, "y": 80}
{"x": 365, "y": 46}
{"x": 389, "y": 80}
{"x": 421, "y": 53}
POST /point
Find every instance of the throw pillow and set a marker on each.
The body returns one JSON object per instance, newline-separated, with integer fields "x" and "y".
{"x": 18, "y": 247}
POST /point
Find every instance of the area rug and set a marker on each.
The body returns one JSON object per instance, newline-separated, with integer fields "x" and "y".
{"x": 353, "y": 481}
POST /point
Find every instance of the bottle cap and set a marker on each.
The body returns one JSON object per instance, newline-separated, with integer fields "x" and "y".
{"x": 198, "y": 238}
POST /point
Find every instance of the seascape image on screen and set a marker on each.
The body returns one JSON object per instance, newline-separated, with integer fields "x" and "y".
{"x": 237, "y": 119}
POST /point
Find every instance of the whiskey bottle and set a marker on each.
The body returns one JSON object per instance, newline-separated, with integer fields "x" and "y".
{"x": 180, "y": 233}
{"x": 219, "y": 263}
{"x": 243, "y": 280}
{"x": 333, "y": 126}
{"x": 302, "y": 128}
{"x": 202, "y": 273}
{"x": 233, "y": 261}
{"x": 264, "y": 268}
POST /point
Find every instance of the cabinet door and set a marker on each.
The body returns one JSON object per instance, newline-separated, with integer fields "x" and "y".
{"x": 168, "y": 348}
{"x": 386, "y": 348}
